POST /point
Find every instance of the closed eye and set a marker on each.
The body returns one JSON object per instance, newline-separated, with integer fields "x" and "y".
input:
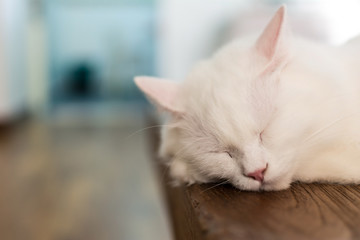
{"x": 228, "y": 153}
{"x": 260, "y": 136}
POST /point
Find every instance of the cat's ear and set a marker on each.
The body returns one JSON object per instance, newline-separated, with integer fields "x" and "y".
{"x": 162, "y": 92}
{"x": 274, "y": 41}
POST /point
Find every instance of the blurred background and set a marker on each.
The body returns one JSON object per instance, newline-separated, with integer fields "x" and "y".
{"x": 74, "y": 160}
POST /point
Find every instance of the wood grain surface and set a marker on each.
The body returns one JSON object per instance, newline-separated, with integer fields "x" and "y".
{"x": 305, "y": 211}
{"x": 76, "y": 181}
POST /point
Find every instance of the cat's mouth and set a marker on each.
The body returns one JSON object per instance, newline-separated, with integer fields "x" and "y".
{"x": 269, "y": 184}
{"x": 255, "y": 185}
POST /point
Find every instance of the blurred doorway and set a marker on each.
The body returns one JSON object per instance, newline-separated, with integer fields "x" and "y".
{"x": 96, "y": 47}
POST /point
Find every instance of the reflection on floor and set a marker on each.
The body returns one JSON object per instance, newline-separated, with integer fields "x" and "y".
{"x": 78, "y": 182}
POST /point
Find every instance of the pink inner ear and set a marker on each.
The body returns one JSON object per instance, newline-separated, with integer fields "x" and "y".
{"x": 269, "y": 43}
{"x": 163, "y": 92}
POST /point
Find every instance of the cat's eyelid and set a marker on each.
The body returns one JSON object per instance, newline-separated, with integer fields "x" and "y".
{"x": 228, "y": 153}
{"x": 260, "y": 135}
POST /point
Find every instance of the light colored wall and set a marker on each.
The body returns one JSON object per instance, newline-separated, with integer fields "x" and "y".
{"x": 188, "y": 31}
{"x": 37, "y": 60}
{"x": 12, "y": 52}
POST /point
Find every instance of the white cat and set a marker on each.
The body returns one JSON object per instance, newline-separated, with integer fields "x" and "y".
{"x": 264, "y": 113}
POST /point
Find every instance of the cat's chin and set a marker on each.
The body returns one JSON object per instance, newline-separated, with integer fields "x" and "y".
{"x": 275, "y": 186}
{"x": 247, "y": 185}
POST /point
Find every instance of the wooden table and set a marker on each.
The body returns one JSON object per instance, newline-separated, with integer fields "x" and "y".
{"x": 66, "y": 180}
{"x": 305, "y": 211}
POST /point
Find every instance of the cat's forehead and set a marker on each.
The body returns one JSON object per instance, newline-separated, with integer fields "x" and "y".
{"x": 213, "y": 89}
{"x": 229, "y": 72}
{"x": 219, "y": 98}
{"x": 228, "y": 123}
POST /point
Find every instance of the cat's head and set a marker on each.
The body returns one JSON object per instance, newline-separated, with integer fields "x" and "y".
{"x": 221, "y": 115}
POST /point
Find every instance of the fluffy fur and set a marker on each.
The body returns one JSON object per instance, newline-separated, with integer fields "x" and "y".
{"x": 277, "y": 102}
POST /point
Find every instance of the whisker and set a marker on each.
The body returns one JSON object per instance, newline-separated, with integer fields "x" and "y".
{"x": 185, "y": 147}
{"x": 214, "y": 186}
{"x": 147, "y": 128}
{"x": 328, "y": 126}
{"x": 335, "y": 98}
{"x": 311, "y": 138}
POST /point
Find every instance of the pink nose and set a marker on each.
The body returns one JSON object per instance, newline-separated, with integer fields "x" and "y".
{"x": 257, "y": 175}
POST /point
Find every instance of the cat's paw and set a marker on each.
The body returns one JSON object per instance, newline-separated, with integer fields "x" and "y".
{"x": 180, "y": 173}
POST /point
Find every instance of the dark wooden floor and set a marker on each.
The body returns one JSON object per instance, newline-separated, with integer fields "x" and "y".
{"x": 82, "y": 182}
{"x": 305, "y": 211}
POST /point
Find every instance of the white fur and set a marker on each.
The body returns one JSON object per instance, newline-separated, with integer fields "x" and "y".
{"x": 302, "y": 97}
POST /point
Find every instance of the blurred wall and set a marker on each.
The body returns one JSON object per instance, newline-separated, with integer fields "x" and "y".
{"x": 190, "y": 30}
{"x": 12, "y": 58}
{"x": 37, "y": 57}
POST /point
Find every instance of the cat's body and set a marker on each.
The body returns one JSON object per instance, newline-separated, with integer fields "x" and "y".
{"x": 266, "y": 114}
